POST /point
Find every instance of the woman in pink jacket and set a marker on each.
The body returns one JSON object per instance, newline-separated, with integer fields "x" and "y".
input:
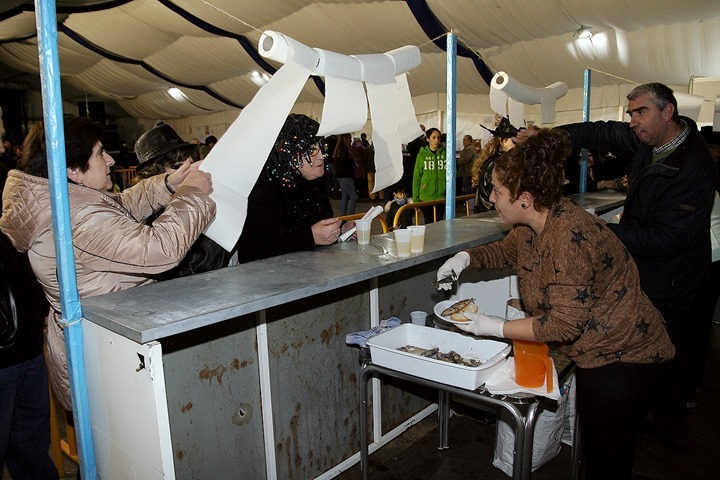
{"x": 114, "y": 249}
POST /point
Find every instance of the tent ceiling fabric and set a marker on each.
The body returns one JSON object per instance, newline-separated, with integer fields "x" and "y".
{"x": 135, "y": 50}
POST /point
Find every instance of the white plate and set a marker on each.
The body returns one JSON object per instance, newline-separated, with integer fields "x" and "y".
{"x": 440, "y": 306}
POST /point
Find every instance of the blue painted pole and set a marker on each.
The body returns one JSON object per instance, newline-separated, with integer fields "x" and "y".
{"x": 586, "y": 118}
{"x": 450, "y": 167}
{"x": 71, "y": 312}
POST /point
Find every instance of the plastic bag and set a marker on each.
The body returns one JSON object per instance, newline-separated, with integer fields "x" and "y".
{"x": 547, "y": 438}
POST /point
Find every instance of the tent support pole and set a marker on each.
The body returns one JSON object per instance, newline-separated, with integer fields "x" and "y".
{"x": 71, "y": 312}
{"x": 450, "y": 167}
{"x": 586, "y": 118}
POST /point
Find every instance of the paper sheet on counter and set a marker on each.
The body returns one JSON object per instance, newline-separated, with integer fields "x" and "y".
{"x": 502, "y": 382}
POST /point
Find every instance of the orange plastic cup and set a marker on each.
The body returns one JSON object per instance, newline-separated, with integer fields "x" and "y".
{"x": 533, "y": 365}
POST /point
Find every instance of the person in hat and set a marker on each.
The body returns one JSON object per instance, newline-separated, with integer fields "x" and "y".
{"x": 160, "y": 150}
{"x": 505, "y": 137}
{"x": 114, "y": 249}
{"x": 288, "y": 208}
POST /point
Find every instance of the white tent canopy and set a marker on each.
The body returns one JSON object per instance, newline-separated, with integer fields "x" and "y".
{"x": 132, "y": 52}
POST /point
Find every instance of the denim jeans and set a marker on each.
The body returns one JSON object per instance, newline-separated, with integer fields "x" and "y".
{"x": 25, "y": 421}
{"x": 348, "y": 195}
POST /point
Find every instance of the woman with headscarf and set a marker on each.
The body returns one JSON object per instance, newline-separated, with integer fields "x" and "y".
{"x": 114, "y": 249}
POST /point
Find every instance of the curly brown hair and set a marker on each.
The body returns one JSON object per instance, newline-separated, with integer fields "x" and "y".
{"x": 492, "y": 148}
{"x": 536, "y": 166}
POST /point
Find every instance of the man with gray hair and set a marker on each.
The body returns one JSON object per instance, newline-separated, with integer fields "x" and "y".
{"x": 665, "y": 222}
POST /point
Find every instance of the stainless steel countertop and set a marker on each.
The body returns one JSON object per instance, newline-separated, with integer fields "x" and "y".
{"x": 168, "y": 308}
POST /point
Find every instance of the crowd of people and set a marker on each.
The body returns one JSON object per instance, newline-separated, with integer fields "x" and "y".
{"x": 630, "y": 303}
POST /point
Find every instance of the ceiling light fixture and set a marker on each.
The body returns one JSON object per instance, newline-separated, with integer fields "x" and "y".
{"x": 583, "y": 32}
{"x": 177, "y": 94}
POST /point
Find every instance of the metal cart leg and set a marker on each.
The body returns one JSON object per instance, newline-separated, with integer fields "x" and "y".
{"x": 364, "y": 454}
{"x": 444, "y": 418}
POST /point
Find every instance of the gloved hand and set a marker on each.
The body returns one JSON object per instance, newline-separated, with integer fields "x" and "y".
{"x": 453, "y": 266}
{"x": 482, "y": 325}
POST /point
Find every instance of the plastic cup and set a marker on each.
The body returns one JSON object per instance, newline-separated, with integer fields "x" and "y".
{"x": 363, "y": 231}
{"x": 417, "y": 241}
{"x": 533, "y": 365}
{"x": 418, "y": 317}
{"x": 402, "y": 242}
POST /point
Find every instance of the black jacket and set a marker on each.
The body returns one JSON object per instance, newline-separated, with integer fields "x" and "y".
{"x": 23, "y": 307}
{"x": 280, "y": 217}
{"x": 666, "y": 219}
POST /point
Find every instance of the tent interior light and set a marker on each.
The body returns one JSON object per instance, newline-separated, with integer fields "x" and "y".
{"x": 177, "y": 94}
{"x": 583, "y": 32}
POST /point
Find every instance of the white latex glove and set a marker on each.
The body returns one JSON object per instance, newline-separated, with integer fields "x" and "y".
{"x": 482, "y": 325}
{"x": 455, "y": 265}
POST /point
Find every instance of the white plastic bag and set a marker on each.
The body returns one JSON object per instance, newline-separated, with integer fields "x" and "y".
{"x": 546, "y": 439}
{"x": 569, "y": 433}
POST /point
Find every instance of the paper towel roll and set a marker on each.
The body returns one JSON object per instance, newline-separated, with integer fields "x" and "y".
{"x": 279, "y": 47}
{"x": 404, "y": 58}
{"x": 337, "y": 65}
{"x": 345, "y": 108}
{"x": 716, "y": 116}
{"x": 253, "y": 133}
{"x": 503, "y": 87}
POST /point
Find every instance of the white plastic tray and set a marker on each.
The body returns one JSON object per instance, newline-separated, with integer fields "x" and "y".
{"x": 384, "y": 352}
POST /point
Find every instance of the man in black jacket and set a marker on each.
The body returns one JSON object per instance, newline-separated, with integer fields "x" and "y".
{"x": 665, "y": 221}
{"x": 24, "y": 397}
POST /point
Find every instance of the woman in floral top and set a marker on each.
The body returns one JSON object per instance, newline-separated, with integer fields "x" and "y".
{"x": 581, "y": 291}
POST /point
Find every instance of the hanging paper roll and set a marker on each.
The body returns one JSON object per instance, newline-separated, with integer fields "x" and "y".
{"x": 253, "y": 135}
{"x": 345, "y": 108}
{"x": 503, "y": 89}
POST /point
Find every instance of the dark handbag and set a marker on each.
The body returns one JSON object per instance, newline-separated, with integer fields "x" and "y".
{"x": 204, "y": 255}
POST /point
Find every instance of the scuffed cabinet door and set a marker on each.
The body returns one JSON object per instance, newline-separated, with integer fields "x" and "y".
{"x": 128, "y": 406}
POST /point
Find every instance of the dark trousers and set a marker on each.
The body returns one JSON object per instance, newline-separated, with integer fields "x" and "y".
{"x": 682, "y": 327}
{"x": 612, "y": 402}
{"x": 428, "y": 213}
{"x": 25, "y": 421}
{"x": 703, "y": 311}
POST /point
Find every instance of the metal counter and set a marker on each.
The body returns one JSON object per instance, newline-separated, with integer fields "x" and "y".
{"x": 244, "y": 372}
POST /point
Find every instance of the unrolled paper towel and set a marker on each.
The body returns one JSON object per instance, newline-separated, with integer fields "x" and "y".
{"x": 236, "y": 161}
{"x": 502, "y": 88}
{"x": 689, "y": 105}
{"x": 238, "y": 158}
{"x": 345, "y": 108}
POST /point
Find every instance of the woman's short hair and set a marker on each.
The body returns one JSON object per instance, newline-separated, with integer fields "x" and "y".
{"x": 536, "y": 166}
{"x": 81, "y": 135}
